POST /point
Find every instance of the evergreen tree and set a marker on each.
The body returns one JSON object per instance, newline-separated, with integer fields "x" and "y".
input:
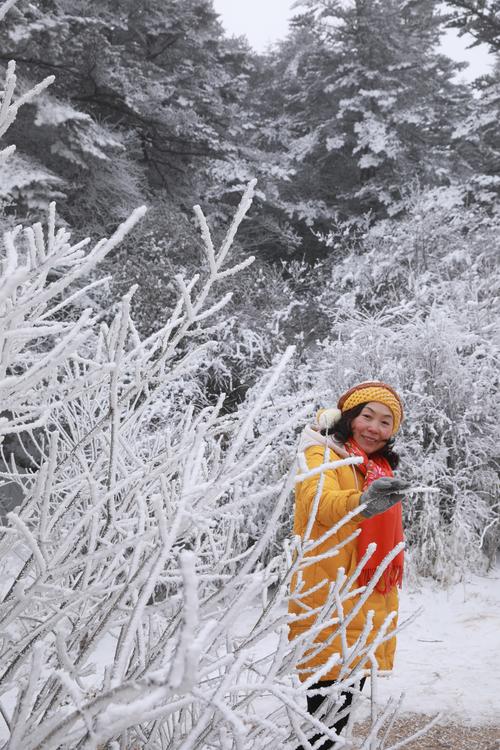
{"x": 479, "y": 18}
{"x": 146, "y": 97}
{"x": 477, "y": 134}
{"x": 293, "y": 111}
{"x": 370, "y": 102}
{"x": 477, "y": 137}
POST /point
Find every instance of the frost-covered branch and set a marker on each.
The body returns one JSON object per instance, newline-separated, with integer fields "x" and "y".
{"x": 128, "y": 559}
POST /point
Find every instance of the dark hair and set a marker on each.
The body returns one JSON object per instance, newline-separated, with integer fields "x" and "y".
{"x": 342, "y": 431}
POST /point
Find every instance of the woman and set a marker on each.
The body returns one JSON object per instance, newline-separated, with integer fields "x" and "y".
{"x": 364, "y": 425}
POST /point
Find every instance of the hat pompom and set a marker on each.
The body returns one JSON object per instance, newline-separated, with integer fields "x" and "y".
{"x": 327, "y": 418}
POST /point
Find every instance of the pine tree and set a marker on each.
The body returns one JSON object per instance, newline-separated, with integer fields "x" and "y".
{"x": 371, "y": 101}
{"x": 479, "y": 18}
{"x": 477, "y": 137}
{"x": 146, "y": 97}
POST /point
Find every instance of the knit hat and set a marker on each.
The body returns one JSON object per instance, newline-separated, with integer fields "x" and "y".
{"x": 372, "y": 390}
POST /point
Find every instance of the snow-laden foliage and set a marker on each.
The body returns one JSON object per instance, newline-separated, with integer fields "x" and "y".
{"x": 415, "y": 302}
{"x": 129, "y": 597}
{"x": 145, "y": 575}
{"x": 480, "y": 20}
{"x": 477, "y": 137}
{"x": 38, "y": 275}
{"x": 146, "y": 99}
{"x": 363, "y": 103}
{"x": 155, "y": 103}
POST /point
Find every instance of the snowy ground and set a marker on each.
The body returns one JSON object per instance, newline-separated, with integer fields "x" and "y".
{"x": 448, "y": 661}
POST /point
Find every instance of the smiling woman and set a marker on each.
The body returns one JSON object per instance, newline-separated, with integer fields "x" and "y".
{"x": 364, "y": 424}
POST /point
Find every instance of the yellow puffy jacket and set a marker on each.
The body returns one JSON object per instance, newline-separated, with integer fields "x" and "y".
{"x": 340, "y": 494}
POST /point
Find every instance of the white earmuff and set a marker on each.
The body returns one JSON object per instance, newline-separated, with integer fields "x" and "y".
{"x": 327, "y": 418}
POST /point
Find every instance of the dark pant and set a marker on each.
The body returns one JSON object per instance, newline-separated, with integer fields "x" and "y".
{"x": 315, "y": 701}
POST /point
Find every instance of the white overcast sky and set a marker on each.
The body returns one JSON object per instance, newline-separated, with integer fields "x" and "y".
{"x": 265, "y": 21}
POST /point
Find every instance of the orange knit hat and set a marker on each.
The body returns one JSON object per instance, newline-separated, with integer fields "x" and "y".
{"x": 373, "y": 390}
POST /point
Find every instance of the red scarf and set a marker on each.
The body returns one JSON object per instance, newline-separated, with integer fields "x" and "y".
{"x": 386, "y": 529}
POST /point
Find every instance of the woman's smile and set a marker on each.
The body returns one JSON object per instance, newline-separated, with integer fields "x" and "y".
{"x": 372, "y": 428}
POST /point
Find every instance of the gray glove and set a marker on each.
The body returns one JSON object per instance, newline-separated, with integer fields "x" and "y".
{"x": 381, "y": 495}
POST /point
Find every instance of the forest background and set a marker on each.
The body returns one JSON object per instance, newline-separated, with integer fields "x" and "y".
{"x": 374, "y": 235}
{"x": 375, "y": 219}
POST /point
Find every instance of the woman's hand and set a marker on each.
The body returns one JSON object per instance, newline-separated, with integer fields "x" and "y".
{"x": 381, "y": 495}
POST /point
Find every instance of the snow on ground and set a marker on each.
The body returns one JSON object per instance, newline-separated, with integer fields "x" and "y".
{"x": 449, "y": 659}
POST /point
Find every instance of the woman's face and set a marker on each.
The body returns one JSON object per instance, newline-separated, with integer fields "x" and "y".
{"x": 372, "y": 428}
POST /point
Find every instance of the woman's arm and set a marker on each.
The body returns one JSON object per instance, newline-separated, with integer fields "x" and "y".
{"x": 334, "y": 502}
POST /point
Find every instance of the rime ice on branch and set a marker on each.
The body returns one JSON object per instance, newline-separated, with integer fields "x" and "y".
{"x": 129, "y": 543}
